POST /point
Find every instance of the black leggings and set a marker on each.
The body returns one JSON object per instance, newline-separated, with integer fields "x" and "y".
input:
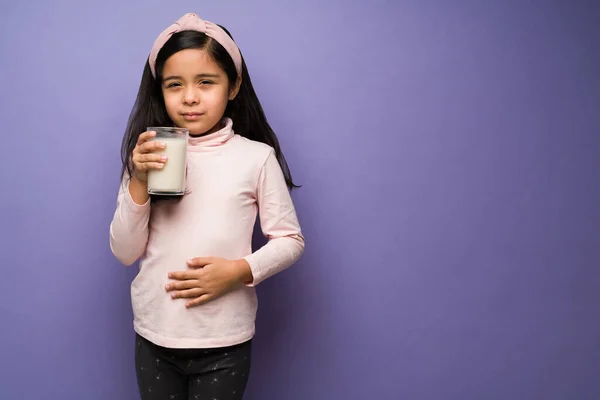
{"x": 191, "y": 374}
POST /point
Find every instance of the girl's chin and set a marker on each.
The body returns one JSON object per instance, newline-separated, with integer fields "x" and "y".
{"x": 197, "y": 128}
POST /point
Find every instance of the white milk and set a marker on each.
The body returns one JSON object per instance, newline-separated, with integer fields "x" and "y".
{"x": 171, "y": 178}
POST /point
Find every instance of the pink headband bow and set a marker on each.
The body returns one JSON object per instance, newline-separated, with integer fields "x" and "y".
{"x": 191, "y": 22}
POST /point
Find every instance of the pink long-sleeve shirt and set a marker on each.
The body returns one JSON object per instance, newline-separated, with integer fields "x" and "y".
{"x": 230, "y": 179}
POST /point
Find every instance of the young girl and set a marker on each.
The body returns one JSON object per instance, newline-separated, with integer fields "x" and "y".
{"x": 194, "y": 299}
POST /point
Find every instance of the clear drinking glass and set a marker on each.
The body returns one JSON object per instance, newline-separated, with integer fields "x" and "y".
{"x": 170, "y": 180}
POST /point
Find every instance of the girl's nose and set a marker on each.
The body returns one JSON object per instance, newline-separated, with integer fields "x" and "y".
{"x": 191, "y": 97}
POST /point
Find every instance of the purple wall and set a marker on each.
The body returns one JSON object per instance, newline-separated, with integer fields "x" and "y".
{"x": 449, "y": 155}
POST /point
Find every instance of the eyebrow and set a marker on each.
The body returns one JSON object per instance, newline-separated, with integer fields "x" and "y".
{"x": 174, "y": 77}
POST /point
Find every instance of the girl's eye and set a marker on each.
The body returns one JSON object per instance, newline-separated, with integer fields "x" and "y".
{"x": 170, "y": 85}
{"x": 206, "y": 82}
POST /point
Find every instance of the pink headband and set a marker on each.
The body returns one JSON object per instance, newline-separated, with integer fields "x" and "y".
{"x": 192, "y": 22}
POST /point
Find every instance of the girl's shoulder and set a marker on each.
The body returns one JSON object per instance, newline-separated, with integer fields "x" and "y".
{"x": 252, "y": 149}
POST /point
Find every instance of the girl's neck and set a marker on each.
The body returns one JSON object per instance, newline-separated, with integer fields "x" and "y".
{"x": 219, "y": 125}
{"x": 213, "y": 139}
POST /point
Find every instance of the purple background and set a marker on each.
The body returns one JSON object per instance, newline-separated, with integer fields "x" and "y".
{"x": 449, "y": 156}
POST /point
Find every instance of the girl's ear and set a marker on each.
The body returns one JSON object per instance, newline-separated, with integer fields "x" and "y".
{"x": 236, "y": 88}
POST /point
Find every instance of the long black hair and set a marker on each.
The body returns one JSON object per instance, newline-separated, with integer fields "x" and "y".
{"x": 245, "y": 109}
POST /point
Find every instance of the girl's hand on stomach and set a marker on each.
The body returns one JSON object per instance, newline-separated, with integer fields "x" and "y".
{"x": 207, "y": 279}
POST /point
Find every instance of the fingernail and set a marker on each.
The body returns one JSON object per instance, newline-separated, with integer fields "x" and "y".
{"x": 162, "y": 145}
{"x": 170, "y": 275}
{"x": 167, "y": 287}
{"x": 173, "y": 295}
{"x": 163, "y": 158}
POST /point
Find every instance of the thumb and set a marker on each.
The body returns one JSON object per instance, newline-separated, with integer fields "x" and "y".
{"x": 200, "y": 262}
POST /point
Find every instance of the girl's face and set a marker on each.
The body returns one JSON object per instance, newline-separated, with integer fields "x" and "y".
{"x": 196, "y": 91}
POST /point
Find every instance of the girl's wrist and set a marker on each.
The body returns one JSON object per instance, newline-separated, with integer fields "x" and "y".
{"x": 242, "y": 271}
{"x": 138, "y": 190}
{"x": 143, "y": 178}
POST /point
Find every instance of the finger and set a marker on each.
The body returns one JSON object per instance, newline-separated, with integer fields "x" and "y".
{"x": 180, "y": 285}
{"x": 183, "y": 275}
{"x": 200, "y": 262}
{"x": 187, "y": 294}
{"x": 151, "y": 157}
{"x": 154, "y": 145}
{"x": 144, "y": 137}
{"x": 148, "y": 166}
{"x": 198, "y": 301}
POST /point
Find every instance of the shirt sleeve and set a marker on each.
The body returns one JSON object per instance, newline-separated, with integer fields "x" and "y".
{"x": 278, "y": 222}
{"x": 129, "y": 227}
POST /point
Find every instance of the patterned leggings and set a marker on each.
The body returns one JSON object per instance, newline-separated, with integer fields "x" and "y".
{"x": 191, "y": 374}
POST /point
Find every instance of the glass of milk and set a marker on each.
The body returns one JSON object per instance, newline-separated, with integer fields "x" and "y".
{"x": 170, "y": 180}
